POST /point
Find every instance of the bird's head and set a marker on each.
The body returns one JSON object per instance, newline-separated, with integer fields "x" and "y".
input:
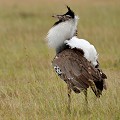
{"x": 65, "y": 17}
{"x": 64, "y": 29}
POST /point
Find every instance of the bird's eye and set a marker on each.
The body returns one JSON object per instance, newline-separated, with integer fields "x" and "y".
{"x": 68, "y": 16}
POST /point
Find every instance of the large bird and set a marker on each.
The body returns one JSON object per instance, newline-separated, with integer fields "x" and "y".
{"x": 76, "y": 60}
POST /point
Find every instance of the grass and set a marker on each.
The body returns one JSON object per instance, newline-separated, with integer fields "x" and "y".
{"x": 29, "y": 88}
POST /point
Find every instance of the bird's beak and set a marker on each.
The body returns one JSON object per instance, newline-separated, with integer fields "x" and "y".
{"x": 59, "y": 17}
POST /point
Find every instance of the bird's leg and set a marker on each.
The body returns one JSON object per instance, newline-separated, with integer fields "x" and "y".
{"x": 69, "y": 96}
{"x": 86, "y": 101}
{"x": 93, "y": 87}
{"x": 85, "y": 93}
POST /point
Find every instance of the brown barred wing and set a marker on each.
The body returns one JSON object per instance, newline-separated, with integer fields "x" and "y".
{"x": 73, "y": 68}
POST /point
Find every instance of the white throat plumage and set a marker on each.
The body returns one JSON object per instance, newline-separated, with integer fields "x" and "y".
{"x": 61, "y": 32}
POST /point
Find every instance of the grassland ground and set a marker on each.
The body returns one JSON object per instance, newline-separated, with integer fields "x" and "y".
{"x": 29, "y": 88}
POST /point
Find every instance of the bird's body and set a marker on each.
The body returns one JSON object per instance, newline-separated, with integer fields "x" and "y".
{"x": 76, "y": 59}
{"x": 75, "y": 69}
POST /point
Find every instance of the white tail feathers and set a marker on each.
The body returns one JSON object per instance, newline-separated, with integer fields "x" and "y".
{"x": 90, "y": 52}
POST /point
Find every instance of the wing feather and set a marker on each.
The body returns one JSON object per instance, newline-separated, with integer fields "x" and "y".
{"x": 76, "y": 70}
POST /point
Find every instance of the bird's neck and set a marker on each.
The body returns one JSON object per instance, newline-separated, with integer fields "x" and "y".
{"x": 61, "y": 32}
{"x": 61, "y": 48}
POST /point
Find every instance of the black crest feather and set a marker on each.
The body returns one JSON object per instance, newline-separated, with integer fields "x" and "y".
{"x": 70, "y": 12}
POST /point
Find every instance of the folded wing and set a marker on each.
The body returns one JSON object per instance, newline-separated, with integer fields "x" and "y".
{"x": 75, "y": 69}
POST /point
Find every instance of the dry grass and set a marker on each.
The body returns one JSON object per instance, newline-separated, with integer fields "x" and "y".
{"x": 29, "y": 89}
